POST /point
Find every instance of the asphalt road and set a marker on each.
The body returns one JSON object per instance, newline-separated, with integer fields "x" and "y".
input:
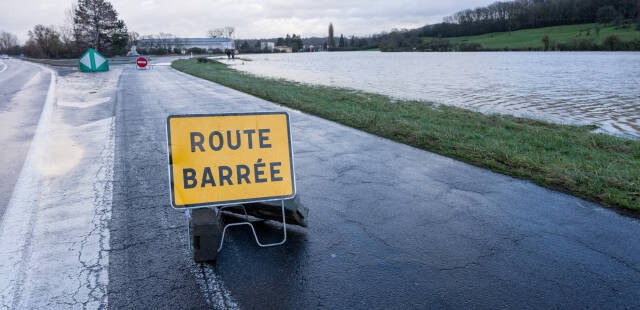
{"x": 390, "y": 226}
{"x": 23, "y": 88}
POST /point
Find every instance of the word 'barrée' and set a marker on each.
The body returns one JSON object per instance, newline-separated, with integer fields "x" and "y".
{"x": 243, "y": 175}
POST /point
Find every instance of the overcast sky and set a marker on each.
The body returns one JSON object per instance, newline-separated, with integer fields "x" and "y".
{"x": 251, "y": 18}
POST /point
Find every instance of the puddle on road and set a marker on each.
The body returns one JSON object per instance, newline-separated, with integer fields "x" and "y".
{"x": 60, "y": 154}
{"x": 64, "y": 148}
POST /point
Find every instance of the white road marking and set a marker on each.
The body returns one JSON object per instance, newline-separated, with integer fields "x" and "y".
{"x": 54, "y": 236}
{"x": 5, "y": 66}
{"x": 216, "y": 295}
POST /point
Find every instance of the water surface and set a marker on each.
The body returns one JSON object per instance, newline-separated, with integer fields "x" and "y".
{"x": 601, "y": 88}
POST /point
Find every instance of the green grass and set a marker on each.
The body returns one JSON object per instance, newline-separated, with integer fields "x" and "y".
{"x": 523, "y": 39}
{"x": 596, "y": 167}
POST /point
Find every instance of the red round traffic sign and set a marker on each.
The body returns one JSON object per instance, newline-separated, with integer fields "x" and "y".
{"x": 141, "y": 62}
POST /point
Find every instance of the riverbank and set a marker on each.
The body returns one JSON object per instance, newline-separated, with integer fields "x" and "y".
{"x": 572, "y": 159}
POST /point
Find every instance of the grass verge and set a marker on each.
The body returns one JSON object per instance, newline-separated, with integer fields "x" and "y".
{"x": 597, "y": 167}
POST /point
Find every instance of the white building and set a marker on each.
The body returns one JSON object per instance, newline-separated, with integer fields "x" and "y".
{"x": 208, "y": 44}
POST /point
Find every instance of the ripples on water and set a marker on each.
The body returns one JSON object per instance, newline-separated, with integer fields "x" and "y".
{"x": 601, "y": 88}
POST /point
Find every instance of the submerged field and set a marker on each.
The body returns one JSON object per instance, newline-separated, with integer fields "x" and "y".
{"x": 597, "y": 167}
{"x": 532, "y": 38}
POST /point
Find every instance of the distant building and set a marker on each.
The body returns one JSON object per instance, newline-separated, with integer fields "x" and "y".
{"x": 266, "y": 45}
{"x": 284, "y": 49}
{"x": 184, "y": 44}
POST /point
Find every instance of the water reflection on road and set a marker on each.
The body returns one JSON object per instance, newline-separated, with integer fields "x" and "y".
{"x": 566, "y": 87}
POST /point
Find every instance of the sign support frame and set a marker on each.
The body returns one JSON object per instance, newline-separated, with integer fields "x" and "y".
{"x": 218, "y": 211}
{"x": 246, "y": 222}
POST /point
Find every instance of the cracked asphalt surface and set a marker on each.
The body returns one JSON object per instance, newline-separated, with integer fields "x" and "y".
{"x": 390, "y": 226}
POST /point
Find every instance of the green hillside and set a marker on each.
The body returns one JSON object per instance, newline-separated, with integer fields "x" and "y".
{"x": 532, "y": 38}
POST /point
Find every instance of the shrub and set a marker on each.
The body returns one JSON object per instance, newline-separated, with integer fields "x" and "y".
{"x": 440, "y": 45}
{"x": 470, "y": 47}
{"x": 585, "y": 45}
{"x": 634, "y": 45}
{"x": 203, "y": 59}
{"x": 547, "y": 42}
{"x": 613, "y": 43}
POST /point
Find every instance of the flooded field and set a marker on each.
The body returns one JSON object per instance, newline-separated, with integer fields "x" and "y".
{"x": 601, "y": 88}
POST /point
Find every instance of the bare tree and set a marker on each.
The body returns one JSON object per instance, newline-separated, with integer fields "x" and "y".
{"x": 7, "y": 41}
{"x": 45, "y": 40}
{"x": 224, "y": 32}
{"x": 133, "y": 38}
{"x": 229, "y": 31}
{"x": 165, "y": 40}
{"x": 215, "y": 33}
{"x": 67, "y": 30}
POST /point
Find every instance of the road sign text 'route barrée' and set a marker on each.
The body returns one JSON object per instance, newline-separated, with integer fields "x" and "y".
{"x": 229, "y": 158}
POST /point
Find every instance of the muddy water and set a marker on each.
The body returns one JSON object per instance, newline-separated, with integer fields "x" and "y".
{"x": 598, "y": 88}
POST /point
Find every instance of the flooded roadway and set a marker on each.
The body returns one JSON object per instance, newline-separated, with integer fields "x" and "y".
{"x": 598, "y": 88}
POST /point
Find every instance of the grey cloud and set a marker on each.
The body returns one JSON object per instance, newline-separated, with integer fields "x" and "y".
{"x": 252, "y": 18}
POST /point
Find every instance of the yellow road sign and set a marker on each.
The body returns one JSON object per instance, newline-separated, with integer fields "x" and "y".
{"x": 222, "y": 159}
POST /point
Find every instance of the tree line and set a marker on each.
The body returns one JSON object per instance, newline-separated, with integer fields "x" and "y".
{"x": 88, "y": 24}
{"x": 505, "y": 16}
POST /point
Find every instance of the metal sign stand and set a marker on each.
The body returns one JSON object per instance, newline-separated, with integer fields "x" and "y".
{"x": 218, "y": 215}
{"x": 246, "y": 222}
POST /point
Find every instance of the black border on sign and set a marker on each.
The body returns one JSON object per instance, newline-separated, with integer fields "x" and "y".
{"x": 227, "y": 202}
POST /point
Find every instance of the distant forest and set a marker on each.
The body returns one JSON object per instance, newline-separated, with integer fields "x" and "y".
{"x": 506, "y": 16}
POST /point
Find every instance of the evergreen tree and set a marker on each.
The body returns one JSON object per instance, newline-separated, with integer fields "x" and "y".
{"x": 96, "y": 25}
{"x": 332, "y": 42}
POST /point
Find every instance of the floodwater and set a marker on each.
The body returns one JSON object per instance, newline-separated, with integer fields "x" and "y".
{"x": 601, "y": 88}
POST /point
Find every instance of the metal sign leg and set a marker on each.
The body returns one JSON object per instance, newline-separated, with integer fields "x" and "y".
{"x": 284, "y": 229}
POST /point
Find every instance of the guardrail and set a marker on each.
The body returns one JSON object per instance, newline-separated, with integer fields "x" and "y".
{"x": 73, "y": 62}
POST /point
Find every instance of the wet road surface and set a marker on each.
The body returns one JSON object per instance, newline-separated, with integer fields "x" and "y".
{"x": 54, "y": 233}
{"x": 89, "y": 225}
{"x": 23, "y": 89}
{"x": 391, "y": 226}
